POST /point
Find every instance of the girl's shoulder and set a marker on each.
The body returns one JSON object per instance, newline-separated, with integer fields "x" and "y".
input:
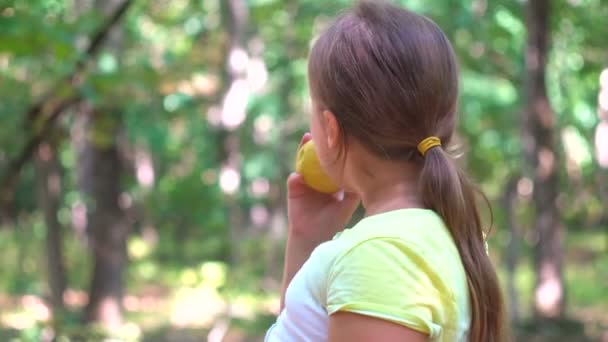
{"x": 420, "y": 229}
{"x": 415, "y": 240}
{"x": 399, "y": 265}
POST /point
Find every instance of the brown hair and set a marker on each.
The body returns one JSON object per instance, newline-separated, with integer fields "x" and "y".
{"x": 391, "y": 79}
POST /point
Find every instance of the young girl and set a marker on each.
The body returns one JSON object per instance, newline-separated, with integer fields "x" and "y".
{"x": 384, "y": 87}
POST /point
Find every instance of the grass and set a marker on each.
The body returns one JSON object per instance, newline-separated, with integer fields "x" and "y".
{"x": 168, "y": 301}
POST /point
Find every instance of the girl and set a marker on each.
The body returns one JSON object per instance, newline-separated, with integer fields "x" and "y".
{"x": 384, "y": 88}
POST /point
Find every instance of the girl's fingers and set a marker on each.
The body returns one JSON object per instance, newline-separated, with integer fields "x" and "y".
{"x": 295, "y": 180}
{"x": 296, "y": 186}
{"x": 305, "y": 138}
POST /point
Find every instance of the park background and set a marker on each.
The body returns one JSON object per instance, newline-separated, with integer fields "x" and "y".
{"x": 144, "y": 147}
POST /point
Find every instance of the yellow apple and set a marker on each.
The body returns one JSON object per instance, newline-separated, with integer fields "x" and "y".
{"x": 307, "y": 164}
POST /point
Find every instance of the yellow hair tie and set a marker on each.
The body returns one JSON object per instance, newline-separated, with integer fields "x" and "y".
{"x": 428, "y": 144}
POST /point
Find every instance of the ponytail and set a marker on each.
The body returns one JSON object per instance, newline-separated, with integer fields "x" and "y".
{"x": 445, "y": 189}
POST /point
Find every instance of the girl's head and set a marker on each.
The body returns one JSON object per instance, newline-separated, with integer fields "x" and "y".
{"x": 384, "y": 79}
{"x": 389, "y": 76}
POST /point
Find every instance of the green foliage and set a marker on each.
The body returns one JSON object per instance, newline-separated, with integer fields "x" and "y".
{"x": 166, "y": 80}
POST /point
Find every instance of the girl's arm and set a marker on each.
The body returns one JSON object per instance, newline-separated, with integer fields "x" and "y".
{"x": 313, "y": 218}
{"x": 297, "y": 251}
{"x": 346, "y": 326}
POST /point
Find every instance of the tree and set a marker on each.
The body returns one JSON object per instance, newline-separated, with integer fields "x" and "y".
{"x": 100, "y": 171}
{"x": 233, "y": 113}
{"x": 49, "y": 177}
{"x": 512, "y": 255}
{"x": 601, "y": 139}
{"x": 41, "y": 115}
{"x": 601, "y": 131}
{"x": 541, "y": 160}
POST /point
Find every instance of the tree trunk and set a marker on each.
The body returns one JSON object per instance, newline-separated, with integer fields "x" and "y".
{"x": 49, "y": 177}
{"x": 512, "y": 250}
{"x": 542, "y": 161}
{"x": 235, "y": 16}
{"x": 278, "y": 222}
{"x": 100, "y": 172}
{"x": 601, "y": 145}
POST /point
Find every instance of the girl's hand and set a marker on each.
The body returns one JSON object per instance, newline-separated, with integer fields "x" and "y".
{"x": 316, "y": 217}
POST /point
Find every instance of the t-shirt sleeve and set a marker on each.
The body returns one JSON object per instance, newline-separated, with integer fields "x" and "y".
{"x": 389, "y": 279}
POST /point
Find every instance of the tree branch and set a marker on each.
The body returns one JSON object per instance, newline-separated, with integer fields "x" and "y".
{"x": 73, "y": 80}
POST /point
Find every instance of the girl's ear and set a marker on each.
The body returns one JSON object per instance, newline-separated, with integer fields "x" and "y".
{"x": 332, "y": 129}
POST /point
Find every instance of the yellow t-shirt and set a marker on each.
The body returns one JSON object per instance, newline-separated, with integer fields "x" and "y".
{"x": 401, "y": 266}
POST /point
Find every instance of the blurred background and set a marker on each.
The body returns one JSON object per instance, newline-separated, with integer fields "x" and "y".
{"x": 144, "y": 147}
